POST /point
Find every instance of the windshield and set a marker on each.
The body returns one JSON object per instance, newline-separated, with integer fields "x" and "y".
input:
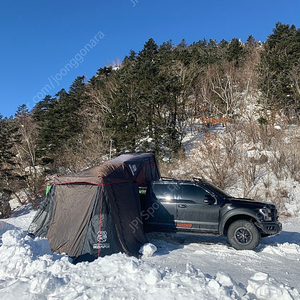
{"x": 216, "y": 190}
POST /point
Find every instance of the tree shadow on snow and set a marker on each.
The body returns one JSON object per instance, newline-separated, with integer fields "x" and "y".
{"x": 168, "y": 242}
{"x": 283, "y": 237}
{"x": 22, "y": 210}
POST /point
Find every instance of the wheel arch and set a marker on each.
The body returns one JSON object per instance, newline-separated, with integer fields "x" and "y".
{"x": 232, "y": 218}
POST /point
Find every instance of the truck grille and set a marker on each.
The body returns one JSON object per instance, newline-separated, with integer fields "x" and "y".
{"x": 270, "y": 227}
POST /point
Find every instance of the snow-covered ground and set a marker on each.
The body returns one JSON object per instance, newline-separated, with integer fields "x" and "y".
{"x": 183, "y": 267}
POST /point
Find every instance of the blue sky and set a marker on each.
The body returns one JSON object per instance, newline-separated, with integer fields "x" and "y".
{"x": 46, "y": 44}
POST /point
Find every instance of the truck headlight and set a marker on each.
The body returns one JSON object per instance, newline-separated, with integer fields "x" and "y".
{"x": 266, "y": 214}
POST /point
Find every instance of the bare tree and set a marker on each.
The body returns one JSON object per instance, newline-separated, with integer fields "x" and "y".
{"x": 27, "y": 168}
{"x": 221, "y": 89}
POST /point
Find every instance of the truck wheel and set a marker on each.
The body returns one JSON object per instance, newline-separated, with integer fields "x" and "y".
{"x": 243, "y": 235}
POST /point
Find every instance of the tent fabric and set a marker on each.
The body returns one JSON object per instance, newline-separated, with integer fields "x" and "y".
{"x": 88, "y": 214}
{"x": 104, "y": 241}
{"x": 40, "y": 223}
{"x": 142, "y": 166}
{"x": 67, "y": 225}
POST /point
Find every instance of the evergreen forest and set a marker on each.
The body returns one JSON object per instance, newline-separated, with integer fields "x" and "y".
{"x": 156, "y": 97}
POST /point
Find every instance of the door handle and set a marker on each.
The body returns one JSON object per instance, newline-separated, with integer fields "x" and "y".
{"x": 181, "y": 205}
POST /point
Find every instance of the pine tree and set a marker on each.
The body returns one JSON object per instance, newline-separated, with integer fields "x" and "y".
{"x": 124, "y": 117}
{"x": 279, "y": 63}
{"x": 60, "y": 121}
{"x": 235, "y": 51}
{"x": 8, "y": 137}
{"x": 147, "y": 72}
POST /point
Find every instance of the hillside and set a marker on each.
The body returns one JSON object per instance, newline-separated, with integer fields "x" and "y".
{"x": 227, "y": 111}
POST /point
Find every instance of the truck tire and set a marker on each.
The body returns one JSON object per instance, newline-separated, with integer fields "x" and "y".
{"x": 243, "y": 235}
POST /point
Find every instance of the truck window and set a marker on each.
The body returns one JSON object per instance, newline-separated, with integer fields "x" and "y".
{"x": 217, "y": 190}
{"x": 193, "y": 193}
{"x": 162, "y": 192}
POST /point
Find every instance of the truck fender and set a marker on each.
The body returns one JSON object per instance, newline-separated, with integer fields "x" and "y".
{"x": 235, "y": 213}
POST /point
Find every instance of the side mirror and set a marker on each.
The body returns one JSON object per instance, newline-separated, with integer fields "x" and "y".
{"x": 208, "y": 199}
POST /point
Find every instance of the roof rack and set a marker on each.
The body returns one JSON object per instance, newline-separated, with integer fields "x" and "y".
{"x": 168, "y": 178}
{"x": 197, "y": 179}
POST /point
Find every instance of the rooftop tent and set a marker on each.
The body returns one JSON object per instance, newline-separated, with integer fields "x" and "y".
{"x": 142, "y": 166}
{"x": 89, "y": 214}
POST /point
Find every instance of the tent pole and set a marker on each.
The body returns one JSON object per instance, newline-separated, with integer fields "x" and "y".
{"x": 110, "y": 148}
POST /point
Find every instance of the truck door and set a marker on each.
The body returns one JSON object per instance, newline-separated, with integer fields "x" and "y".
{"x": 159, "y": 213}
{"x": 195, "y": 212}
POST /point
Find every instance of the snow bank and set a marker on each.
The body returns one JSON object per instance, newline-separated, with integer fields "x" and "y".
{"x": 264, "y": 287}
{"x": 28, "y": 270}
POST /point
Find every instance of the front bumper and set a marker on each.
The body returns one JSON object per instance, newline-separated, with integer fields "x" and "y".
{"x": 269, "y": 229}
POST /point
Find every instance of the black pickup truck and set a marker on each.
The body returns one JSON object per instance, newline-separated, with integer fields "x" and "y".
{"x": 199, "y": 207}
